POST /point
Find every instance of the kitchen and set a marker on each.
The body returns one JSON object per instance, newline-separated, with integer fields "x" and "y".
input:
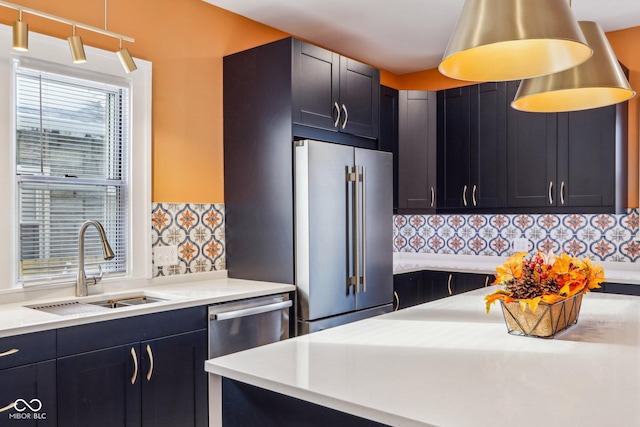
{"x": 187, "y": 165}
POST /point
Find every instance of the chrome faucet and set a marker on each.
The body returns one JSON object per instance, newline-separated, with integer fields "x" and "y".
{"x": 81, "y": 281}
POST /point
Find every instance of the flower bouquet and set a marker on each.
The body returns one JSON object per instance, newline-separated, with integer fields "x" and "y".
{"x": 541, "y": 295}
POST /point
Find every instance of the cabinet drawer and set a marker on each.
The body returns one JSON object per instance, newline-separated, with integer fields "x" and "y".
{"x": 112, "y": 333}
{"x": 27, "y": 348}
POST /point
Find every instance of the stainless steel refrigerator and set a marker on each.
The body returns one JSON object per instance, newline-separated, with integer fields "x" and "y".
{"x": 343, "y": 205}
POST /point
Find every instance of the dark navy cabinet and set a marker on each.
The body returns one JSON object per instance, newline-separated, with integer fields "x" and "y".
{"x": 138, "y": 371}
{"x": 28, "y": 380}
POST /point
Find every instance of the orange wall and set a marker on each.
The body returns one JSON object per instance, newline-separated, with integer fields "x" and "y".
{"x": 186, "y": 40}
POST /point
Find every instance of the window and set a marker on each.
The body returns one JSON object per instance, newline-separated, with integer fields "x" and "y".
{"x": 42, "y": 190}
{"x": 71, "y": 165}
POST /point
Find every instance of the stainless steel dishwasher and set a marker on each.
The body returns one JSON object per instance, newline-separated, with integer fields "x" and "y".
{"x": 248, "y": 323}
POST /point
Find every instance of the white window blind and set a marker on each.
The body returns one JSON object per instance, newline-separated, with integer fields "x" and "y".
{"x": 71, "y": 154}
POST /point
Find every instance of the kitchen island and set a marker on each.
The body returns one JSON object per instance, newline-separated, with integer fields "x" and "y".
{"x": 447, "y": 363}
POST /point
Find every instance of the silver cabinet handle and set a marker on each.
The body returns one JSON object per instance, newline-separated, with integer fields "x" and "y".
{"x": 550, "y": 189}
{"x": 134, "y": 356}
{"x": 335, "y": 124}
{"x": 363, "y": 223}
{"x": 9, "y": 352}
{"x": 346, "y": 116}
{"x": 9, "y": 406}
{"x": 486, "y": 281}
{"x": 433, "y": 196}
{"x": 473, "y": 195}
{"x": 396, "y": 297}
{"x": 234, "y": 314}
{"x": 464, "y": 195}
{"x": 562, "y": 193}
{"x": 449, "y": 284}
{"x": 150, "y": 354}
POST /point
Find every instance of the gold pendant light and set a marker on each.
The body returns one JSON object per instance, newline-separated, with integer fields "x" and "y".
{"x": 126, "y": 60}
{"x": 498, "y": 40}
{"x": 596, "y": 83}
{"x": 77, "y": 48}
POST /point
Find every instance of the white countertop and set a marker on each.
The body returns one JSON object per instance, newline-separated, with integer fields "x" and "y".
{"x": 447, "y": 363}
{"x": 17, "y": 319}
{"x": 405, "y": 262}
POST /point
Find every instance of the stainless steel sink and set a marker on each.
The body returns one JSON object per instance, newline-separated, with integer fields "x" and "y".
{"x": 126, "y": 301}
{"x": 77, "y": 307}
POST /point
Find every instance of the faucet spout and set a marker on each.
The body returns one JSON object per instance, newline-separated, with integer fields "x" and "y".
{"x": 81, "y": 281}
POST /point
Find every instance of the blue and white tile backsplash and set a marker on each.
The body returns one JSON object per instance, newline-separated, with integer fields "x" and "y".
{"x": 197, "y": 230}
{"x": 602, "y": 237}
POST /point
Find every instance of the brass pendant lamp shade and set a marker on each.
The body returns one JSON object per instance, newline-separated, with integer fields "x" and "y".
{"x": 498, "y": 40}
{"x": 596, "y": 83}
{"x": 21, "y": 35}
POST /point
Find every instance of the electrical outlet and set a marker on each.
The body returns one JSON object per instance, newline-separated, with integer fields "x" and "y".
{"x": 165, "y": 255}
{"x": 521, "y": 244}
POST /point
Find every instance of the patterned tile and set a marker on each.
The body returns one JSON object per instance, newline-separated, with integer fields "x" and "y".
{"x": 602, "y": 237}
{"x": 196, "y": 229}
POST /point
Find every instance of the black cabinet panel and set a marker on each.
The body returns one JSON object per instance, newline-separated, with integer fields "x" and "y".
{"x": 408, "y": 289}
{"x": 621, "y": 288}
{"x": 417, "y": 152}
{"x": 27, "y": 348}
{"x": 100, "y": 388}
{"x": 29, "y": 382}
{"x": 359, "y": 98}
{"x": 174, "y": 382}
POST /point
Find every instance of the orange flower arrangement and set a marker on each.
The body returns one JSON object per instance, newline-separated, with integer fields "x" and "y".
{"x": 543, "y": 277}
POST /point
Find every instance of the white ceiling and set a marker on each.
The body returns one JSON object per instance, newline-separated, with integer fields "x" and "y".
{"x": 400, "y": 36}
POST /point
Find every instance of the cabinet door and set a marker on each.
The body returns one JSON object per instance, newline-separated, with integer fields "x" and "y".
{"x": 488, "y": 146}
{"x": 439, "y": 284}
{"x": 316, "y": 86}
{"x": 408, "y": 289}
{"x": 531, "y": 165}
{"x": 417, "y": 151}
{"x": 359, "y": 98}
{"x": 620, "y": 288}
{"x": 174, "y": 382}
{"x": 471, "y": 281}
{"x": 586, "y": 158}
{"x": 454, "y": 139}
{"x": 100, "y": 388}
{"x": 33, "y": 385}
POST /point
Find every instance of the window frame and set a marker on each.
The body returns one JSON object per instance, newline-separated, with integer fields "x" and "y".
{"x": 55, "y": 53}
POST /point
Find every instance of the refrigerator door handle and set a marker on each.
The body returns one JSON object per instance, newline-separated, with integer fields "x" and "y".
{"x": 354, "y": 280}
{"x": 364, "y": 230}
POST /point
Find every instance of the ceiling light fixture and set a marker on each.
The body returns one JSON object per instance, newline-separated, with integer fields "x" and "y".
{"x": 75, "y": 42}
{"x": 498, "y": 40}
{"x": 20, "y": 34}
{"x": 596, "y": 83}
{"x": 126, "y": 59}
{"x": 77, "y": 48}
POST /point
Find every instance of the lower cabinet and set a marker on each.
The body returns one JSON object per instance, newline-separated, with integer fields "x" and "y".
{"x": 423, "y": 286}
{"x": 28, "y": 395}
{"x": 138, "y": 371}
{"x": 156, "y": 383}
{"x": 619, "y": 288}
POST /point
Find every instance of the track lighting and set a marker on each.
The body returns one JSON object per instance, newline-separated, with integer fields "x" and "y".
{"x": 20, "y": 34}
{"x": 77, "y": 49}
{"x": 126, "y": 59}
{"x": 497, "y": 40}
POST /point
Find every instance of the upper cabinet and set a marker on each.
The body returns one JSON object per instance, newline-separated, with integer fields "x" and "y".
{"x": 565, "y": 162}
{"x": 333, "y": 92}
{"x": 472, "y": 152}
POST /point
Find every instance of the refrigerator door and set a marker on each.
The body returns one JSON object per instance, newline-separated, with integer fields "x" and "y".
{"x": 375, "y": 210}
{"x": 323, "y": 216}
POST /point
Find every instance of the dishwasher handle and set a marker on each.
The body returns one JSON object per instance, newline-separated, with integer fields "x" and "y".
{"x": 234, "y": 314}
